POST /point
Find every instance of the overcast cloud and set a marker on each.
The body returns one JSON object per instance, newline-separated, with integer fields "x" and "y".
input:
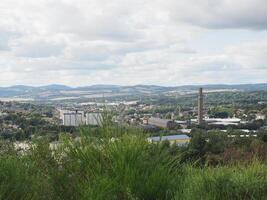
{"x": 164, "y": 42}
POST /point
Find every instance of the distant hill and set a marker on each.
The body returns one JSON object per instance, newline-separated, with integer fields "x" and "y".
{"x": 54, "y": 87}
{"x": 57, "y": 92}
{"x": 244, "y": 87}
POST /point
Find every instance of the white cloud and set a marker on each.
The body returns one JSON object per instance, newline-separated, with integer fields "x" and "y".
{"x": 247, "y": 14}
{"x": 37, "y": 47}
{"x": 80, "y": 42}
{"x": 250, "y": 55}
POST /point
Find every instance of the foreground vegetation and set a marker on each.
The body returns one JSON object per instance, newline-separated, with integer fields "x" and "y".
{"x": 118, "y": 163}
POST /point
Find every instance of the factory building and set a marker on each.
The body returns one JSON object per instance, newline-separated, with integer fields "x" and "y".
{"x": 72, "y": 118}
{"x": 162, "y": 123}
{"x": 77, "y": 118}
{"x": 94, "y": 118}
{"x": 219, "y": 121}
{"x": 179, "y": 140}
{"x": 223, "y": 121}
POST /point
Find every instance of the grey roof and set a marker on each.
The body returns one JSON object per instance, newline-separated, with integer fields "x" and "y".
{"x": 159, "y": 122}
{"x": 169, "y": 137}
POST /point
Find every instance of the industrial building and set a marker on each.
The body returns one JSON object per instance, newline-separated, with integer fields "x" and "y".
{"x": 77, "y": 118}
{"x": 173, "y": 139}
{"x": 94, "y": 118}
{"x": 222, "y": 121}
{"x": 219, "y": 121}
{"x": 212, "y": 121}
{"x": 72, "y": 118}
{"x": 162, "y": 123}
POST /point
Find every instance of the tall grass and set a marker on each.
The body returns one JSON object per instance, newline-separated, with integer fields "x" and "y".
{"x": 239, "y": 182}
{"x": 114, "y": 162}
{"x": 124, "y": 167}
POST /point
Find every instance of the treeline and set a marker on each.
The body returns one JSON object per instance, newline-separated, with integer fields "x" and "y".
{"x": 252, "y": 125}
{"x": 215, "y": 148}
{"x": 240, "y": 99}
{"x": 24, "y": 126}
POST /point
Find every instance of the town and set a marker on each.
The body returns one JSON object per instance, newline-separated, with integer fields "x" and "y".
{"x": 133, "y": 100}
{"x": 24, "y": 121}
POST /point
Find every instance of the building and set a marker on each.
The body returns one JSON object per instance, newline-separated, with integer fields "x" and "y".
{"x": 223, "y": 121}
{"x": 173, "y": 139}
{"x": 145, "y": 120}
{"x": 220, "y": 121}
{"x": 94, "y": 118}
{"x": 260, "y": 116}
{"x": 200, "y": 106}
{"x": 72, "y": 118}
{"x": 162, "y": 123}
{"x": 185, "y": 131}
{"x": 183, "y": 124}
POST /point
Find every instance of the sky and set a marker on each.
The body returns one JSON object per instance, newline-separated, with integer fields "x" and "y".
{"x": 129, "y": 42}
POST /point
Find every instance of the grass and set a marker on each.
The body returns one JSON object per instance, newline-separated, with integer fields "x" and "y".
{"x": 118, "y": 163}
{"x": 239, "y": 182}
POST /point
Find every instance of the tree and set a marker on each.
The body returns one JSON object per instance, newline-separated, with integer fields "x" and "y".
{"x": 216, "y": 142}
{"x": 197, "y": 144}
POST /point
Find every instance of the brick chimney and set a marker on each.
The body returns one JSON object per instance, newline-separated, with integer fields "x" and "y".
{"x": 200, "y": 106}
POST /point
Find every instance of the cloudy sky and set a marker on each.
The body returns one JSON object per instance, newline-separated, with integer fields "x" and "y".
{"x": 127, "y": 42}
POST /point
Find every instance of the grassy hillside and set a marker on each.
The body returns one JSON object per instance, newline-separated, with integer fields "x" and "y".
{"x": 118, "y": 163}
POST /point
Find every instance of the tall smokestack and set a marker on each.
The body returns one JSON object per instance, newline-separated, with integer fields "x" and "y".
{"x": 200, "y": 106}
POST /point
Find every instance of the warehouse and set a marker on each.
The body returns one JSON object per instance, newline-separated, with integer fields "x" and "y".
{"x": 162, "y": 123}
{"x": 173, "y": 139}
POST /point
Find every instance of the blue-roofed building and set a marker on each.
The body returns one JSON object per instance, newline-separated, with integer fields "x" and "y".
{"x": 173, "y": 139}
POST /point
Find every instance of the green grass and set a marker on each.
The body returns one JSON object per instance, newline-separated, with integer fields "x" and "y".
{"x": 118, "y": 163}
{"x": 239, "y": 182}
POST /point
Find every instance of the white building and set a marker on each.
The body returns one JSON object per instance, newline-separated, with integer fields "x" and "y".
{"x": 77, "y": 118}
{"x": 179, "y": 140}
{"x": 72, "y": 118}
{"x": 260, "y": 116}
{"x": 220, "y": 121}
{"x": 93, "y": 118}
{"x": 162, "y": 123}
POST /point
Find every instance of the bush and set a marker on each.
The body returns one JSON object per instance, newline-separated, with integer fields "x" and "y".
{"x": 119, "y": 163}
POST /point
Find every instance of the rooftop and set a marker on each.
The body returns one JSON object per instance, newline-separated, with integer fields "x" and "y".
{"x": 169, "y": 137}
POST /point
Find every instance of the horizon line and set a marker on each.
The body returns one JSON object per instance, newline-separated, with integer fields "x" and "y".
{"x": 132, "y": 85}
